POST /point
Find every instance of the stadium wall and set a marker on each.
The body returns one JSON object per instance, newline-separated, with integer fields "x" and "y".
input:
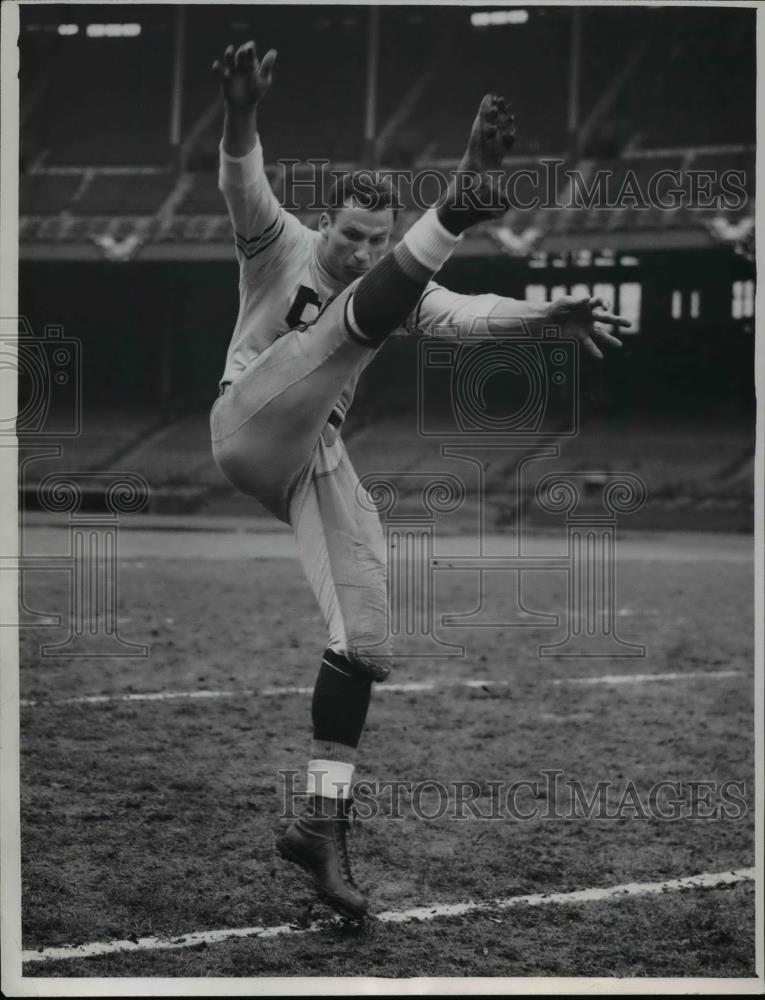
{"x": 154, "y": 334}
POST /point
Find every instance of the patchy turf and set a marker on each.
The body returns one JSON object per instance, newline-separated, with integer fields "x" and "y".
{"x": 159, "y": 817}
{"x": 691, "y": 935}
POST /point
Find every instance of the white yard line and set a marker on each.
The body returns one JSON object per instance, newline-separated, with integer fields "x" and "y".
{"x": 403, "y": 688}
{"x": 648, "y": 678}
{"x": 420, "y": 913}
{"x": 50, "y": 538}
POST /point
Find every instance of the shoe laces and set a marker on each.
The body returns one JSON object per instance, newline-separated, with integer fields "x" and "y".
{"x": 341, "y": 827}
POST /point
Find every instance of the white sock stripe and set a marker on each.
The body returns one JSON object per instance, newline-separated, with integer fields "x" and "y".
{"x": 428, "y": 241}
{"x": 326, "y": 663}
{"x": 350, "y": 319}
{"x": 332, "y": 779}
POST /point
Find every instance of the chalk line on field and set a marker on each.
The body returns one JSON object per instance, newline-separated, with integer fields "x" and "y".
{"x": 647, "y": 678}
{"x": 419, "y": 913}
{"x": 403, "y": 688}
{"x": 137, "y": 543}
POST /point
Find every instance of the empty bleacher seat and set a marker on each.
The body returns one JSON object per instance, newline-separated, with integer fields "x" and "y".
{"x": 203, "y": 197}
{"x": 124, "y": 194}
{"x": 47, "y": 193}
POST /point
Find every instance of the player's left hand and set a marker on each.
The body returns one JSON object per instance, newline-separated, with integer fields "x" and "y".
{"x": 587, "y": 319}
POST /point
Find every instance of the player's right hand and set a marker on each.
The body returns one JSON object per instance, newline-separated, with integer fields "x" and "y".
{"x": 244, "y": 79}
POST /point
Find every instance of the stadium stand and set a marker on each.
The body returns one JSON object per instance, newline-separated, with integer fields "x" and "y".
{"x": 101, "y": 187}
{"x": 175, "y": 454}
{"x": 47, "y": 193}
{"x": 679, "y": 461}
{"x": 127, "y": 121}
{"x": 198, "y": 212}
{"x": 104, "y": 436}
{"x": 717, "y": 161}
{"x": 202, "y": 197}
{"x": 196, "y": 229}
{"x": 124, "y": 193}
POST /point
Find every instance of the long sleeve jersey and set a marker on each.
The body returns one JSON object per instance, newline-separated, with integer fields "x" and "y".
{"x": 282, "y": 282}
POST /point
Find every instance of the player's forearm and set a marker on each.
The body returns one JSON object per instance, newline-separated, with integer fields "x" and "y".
{"x": 513, "y": 316}
{"x": 240, "y": 131}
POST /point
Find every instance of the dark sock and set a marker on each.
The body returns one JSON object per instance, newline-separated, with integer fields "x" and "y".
{"x": 390, "y": 291}
{"x": 460, "y": 209}
{"x": 339, "y": 708}
{"x": 387, "y": 294}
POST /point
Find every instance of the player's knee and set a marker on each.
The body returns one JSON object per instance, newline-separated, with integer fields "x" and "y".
{"x": 247, "y": 477}
{"x": 377, "y": 668}
{"x": 375, "y": 660}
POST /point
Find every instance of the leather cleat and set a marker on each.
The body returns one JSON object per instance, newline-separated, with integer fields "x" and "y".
{"x": 317, "y": 842}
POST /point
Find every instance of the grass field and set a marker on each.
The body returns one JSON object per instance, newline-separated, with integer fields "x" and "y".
{"x": 157, "y": 817}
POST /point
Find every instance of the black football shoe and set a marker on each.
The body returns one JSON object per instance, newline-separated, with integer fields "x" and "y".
{"x": 317, "y": 842}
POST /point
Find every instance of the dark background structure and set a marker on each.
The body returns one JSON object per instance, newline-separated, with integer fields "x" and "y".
{"x": 125, "y": 241}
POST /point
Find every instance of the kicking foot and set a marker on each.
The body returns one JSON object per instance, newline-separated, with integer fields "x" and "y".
{"x": 317, "y": 842}
{"x": 476, "y": 191}
{"x": 492, "y": 135}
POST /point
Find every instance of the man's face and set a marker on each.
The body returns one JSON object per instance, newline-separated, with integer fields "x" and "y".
{"x": 355, "y": 240}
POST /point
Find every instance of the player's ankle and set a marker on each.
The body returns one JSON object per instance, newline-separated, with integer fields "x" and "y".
{"x": 454, "y": 219}
{"x": 471, "y": 197}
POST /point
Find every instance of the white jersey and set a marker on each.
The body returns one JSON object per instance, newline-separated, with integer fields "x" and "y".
{"x": 282, "y": 282}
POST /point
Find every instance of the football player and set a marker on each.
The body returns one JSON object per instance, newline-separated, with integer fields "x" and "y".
{"x": 314, "y": 307}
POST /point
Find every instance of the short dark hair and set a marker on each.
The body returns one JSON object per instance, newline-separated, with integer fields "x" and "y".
{"x": 367, "y": 188}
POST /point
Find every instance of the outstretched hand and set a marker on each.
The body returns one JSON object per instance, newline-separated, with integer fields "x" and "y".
{"x": 585, "y": 319}
{"x": 244, "y": 79}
